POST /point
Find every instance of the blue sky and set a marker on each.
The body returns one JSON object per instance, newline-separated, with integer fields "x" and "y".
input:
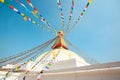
{"x": 97, "y": 34}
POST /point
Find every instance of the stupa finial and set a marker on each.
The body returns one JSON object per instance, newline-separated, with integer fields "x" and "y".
{"x": 60, "y": 43}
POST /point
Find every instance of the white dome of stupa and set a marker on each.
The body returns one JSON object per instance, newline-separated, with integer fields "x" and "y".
{"x": 58, "y": 53}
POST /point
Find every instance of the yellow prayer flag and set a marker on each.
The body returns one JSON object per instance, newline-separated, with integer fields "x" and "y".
{"x": 16, "y": 69}
{"x": 2, "y": 1}
{"x": 25, "y": 18}
{"x": 90, "y": 1}
{"x": 83, "y": 12}
{"x": 22, "y": 14}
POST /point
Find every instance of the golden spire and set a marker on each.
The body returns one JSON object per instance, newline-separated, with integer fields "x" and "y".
{"x": 60, "y": 43}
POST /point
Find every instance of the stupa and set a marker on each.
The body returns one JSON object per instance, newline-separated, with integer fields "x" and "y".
{"x": 64, "y": 65}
